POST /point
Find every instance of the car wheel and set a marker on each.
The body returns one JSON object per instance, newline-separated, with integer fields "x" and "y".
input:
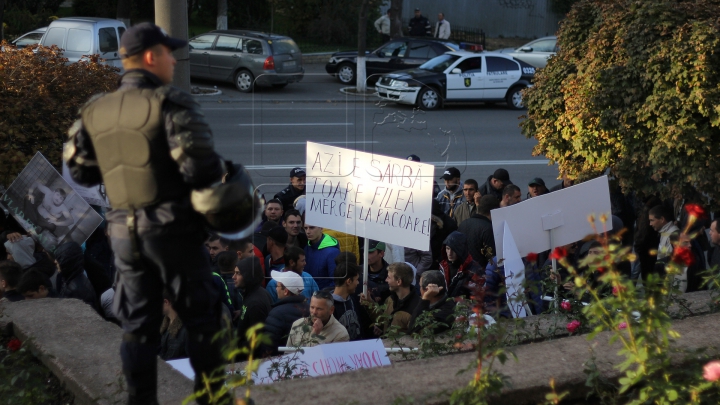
{"x": 428, "y": 99}
{"x": 514, "y": 98}
{"x": 244, "y": 81}
{"x": 279, "y": 85}
{"x": 346, "y": 73}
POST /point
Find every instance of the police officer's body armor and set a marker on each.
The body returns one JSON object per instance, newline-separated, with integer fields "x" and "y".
{"x": 127, "y": 132}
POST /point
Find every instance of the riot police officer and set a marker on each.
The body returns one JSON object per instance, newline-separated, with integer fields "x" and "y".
{"x": 151, "y": 146}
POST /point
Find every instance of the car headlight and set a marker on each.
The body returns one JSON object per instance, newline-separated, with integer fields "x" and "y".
{"x": 398, "y": 83}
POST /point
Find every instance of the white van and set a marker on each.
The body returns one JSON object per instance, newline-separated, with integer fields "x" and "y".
{"x": 80, "y": 36}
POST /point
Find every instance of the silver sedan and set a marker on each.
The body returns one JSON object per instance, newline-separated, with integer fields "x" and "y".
{"x": 535, "y": 53}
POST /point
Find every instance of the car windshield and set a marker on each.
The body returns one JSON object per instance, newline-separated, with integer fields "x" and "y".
{"x": 452, "y": 45}
{"x": 284, "y": 46}
{"x": 439, "y": 63}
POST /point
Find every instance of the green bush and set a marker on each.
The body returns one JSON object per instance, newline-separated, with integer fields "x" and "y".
{"x": 634, "y": 88}
{"x": 41, "y": 94}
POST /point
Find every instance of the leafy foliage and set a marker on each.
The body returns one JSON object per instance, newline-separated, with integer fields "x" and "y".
{"x": 41, "y": 94}
{"x": 634, "y": 88}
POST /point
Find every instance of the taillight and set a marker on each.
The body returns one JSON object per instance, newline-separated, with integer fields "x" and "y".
{"x": 269, "y": 63}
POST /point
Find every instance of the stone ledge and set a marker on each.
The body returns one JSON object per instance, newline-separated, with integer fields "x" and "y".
{"x": 83, "y": 350}
{"x": 431, "y": 381}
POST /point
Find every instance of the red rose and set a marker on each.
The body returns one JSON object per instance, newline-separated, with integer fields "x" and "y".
{"x": 14, "y": 345}
{"x": 532, "y": 257}
{"x": 695, "y": 210}
{"x": 573, "y": 326}
{"x": 601, "y": 270}
{"x": 566, "y": 305}
{"x": 683, "y": 256}
{"x": 617, "y": 290}
{"x": 558, "y": 253}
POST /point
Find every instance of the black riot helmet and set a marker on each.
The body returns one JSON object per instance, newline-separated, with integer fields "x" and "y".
{"x": 231, "y": 208}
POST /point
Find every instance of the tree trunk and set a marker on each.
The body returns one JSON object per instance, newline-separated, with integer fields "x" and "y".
{"x": 172, "y": 16}
{"x": 222, "y": 23}
{"x": 2, "y": 18}
{"x": 396, "y": 27}
{"x": 360, "y": 71}
{"x": 123, "y": 11}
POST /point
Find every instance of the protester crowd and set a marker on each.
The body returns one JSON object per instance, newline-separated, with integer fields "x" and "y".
{"x": 305, "y": 283}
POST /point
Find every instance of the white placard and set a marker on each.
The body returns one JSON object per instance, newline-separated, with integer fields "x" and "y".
{"x": 326, "y": 359}
{"x": 369, "y": 195}
{"x": 514, "y": 275}
{"x": 565, "y": 212}
{"x": 183, "y": 366}
{"x": 45, "y": 205}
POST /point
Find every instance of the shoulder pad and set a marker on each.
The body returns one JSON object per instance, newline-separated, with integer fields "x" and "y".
{"x": 177, "y": 96}
{"x": 92, "y": 99}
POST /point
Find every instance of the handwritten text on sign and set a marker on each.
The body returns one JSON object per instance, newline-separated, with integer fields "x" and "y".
{"x": 324, "y": 359}
{"x": 369, "y": 195}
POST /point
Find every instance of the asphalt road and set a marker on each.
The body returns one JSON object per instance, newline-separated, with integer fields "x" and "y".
{"x": 267, "y": 130}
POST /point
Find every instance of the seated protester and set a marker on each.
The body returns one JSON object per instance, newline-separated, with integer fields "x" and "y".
{"x": 403, "y": 299}
{"x": 495, "y": 297}
{"x": 70, "y": 259}
{"x": 320, "y": 327}
{"x": 295, "y": 261}
{"x": 173, "y": 334}
{"x": 291, "y": 306}
{"x": 34, "y": 285}
{"x": 97, "y": 275}
{"x": 434, "y": 300}
{"x": 348, "y": 311}
{"x": 226, "y": 262}
{"x": 276, "y": 241}
{"x": 10, "y": 273}
{"x": 21, "y": 251}
{"x": 458, "y": 266}
{"x": 256, "y": 301}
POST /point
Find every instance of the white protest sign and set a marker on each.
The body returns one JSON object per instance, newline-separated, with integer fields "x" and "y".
{"x": 331, "y": 358}
{"x": 564, "y": 213}
{"x": 369, "y": 195}
{"x": 514, "y": 275}
{"x": 183, "y": 366}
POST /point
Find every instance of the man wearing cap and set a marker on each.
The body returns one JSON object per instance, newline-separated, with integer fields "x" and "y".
{"x": 452, "y": 195}
{"x": 419, "y": 26}
{"x": 495, "y": 184}
{"x": 295, "y": 189}
{"x": 290, "y": 306}
{"x": 151, "y": 146}
{"x": 377, "y": 271}
{"x": 536, "y": 187}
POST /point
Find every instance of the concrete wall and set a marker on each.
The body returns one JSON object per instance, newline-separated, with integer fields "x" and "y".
{"x": 507, "y": 18}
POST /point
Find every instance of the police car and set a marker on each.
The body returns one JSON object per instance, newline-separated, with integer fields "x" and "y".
{"x": 459, "y": 77}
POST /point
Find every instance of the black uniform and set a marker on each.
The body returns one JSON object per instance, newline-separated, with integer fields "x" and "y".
{"x": 151, "y": 146}
{"x": 419, "y": 27}
{"x": 287, "y": 196}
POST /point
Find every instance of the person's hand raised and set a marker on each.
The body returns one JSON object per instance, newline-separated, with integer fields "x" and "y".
{"x": 431, "y": 291}
{"x": 317, "y": 326}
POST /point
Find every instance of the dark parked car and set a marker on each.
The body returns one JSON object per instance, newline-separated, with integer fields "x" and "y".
{"x": 398, "y": 54}
{"x": 246, "y": 58}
